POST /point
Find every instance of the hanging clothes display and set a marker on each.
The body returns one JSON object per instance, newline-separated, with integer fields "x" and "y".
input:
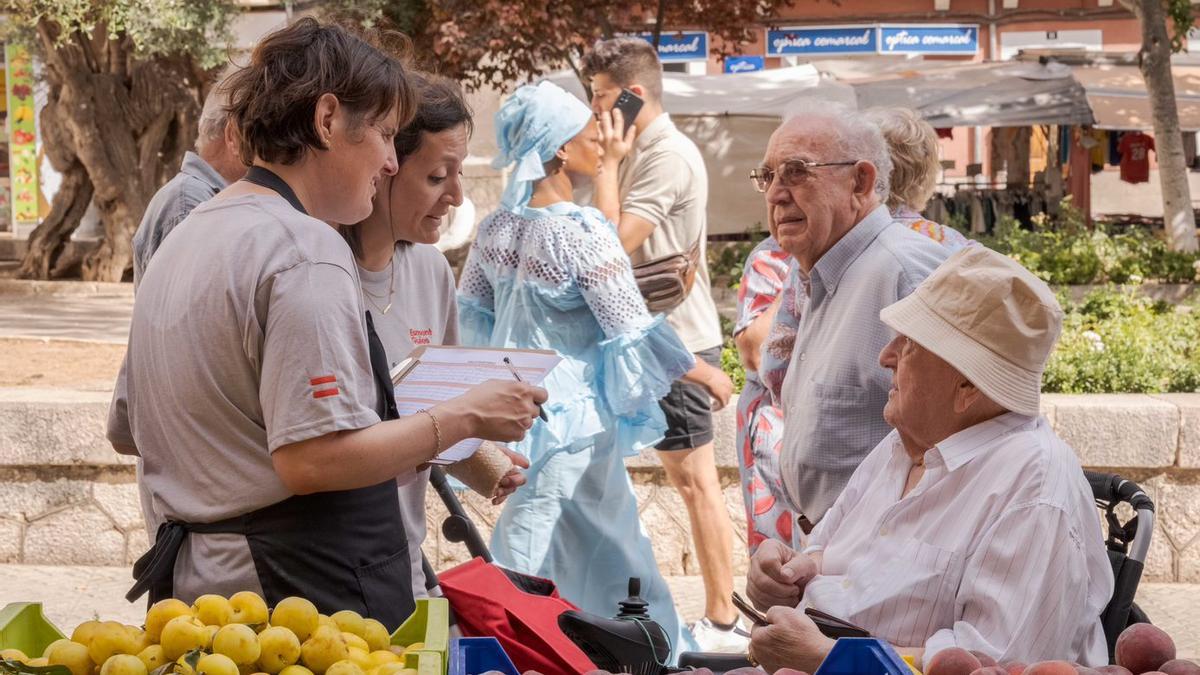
{"x": 1096, "y": 143}
{"x": 1010, "y": 153}
{"x": 1135, "y": 150}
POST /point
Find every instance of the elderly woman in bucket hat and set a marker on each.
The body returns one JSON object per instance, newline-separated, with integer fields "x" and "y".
{"x": 970, "y": 525}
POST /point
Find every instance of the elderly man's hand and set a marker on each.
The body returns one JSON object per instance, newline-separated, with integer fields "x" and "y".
{"x": 778, "y": 575}
{"x": 791, "y": 640}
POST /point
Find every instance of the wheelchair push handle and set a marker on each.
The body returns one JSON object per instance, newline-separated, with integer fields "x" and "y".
{"x": 1112, "y": 488}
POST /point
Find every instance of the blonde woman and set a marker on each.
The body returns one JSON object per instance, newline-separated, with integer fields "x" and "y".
{"x": 913, "y": 145}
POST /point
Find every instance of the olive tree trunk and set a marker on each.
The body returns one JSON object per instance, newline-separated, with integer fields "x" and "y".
{"x": 127, "y": 122}
{"x": 1154, "y": 61}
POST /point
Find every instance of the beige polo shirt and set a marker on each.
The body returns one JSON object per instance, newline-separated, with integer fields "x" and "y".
{"x": 663, "y": 180}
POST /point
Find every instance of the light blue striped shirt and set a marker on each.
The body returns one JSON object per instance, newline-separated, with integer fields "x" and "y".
{"x": 835, "y": 389}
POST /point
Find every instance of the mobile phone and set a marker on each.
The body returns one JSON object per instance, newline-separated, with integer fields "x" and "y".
{"x": 630, "y": 104}
{"x": 833, "y": 627}
{"x": 746, "y": 608}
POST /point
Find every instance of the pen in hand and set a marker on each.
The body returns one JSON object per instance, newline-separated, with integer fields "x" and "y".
{"x": 517, "y": 377}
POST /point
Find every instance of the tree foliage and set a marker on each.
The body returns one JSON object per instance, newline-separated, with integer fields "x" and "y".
{"x": 495, "y": 42}
{"x": 124, "y": 82}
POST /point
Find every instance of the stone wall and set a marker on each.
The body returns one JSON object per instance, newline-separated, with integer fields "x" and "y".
{"x": 66, "y": 498}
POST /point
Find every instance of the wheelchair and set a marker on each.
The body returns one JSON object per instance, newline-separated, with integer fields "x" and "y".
{"x": 1127, "y": 544}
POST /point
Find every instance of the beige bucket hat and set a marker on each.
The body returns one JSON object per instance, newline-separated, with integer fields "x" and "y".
{"x": 990, "y": 318}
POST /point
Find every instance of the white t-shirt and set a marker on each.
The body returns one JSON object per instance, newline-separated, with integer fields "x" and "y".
{"x": 423, "y": 312}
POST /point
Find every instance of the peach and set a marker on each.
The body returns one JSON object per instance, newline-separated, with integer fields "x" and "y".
{"x": 1050, "y": 668}
{"x": 1114, "y": 670}
{"x": 953, "y": 661}
{"x": 1144, "y": 647}
{"x": 1180, "y": 667}
{"x": 984, "y": 659}
{"x": 1014, "y": 667}
{"x": 990, "y": 670}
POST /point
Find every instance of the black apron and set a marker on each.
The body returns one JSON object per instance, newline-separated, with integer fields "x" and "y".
{"x": 341, "y": 550}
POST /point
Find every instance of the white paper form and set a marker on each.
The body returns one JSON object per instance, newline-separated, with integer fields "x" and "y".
{"x": 434, "y": 374}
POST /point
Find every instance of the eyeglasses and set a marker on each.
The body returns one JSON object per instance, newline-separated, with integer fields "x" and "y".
{"x": 790, "y": 172}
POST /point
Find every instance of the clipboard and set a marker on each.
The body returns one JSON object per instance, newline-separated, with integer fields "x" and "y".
{"x": 432, "y": 374}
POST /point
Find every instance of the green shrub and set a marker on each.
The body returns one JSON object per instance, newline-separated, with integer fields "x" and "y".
{"x": 727, "y": 259}
{"x": 1118, "y": 341}
{"x": 731, "y": 361}
{"x": 1065, "y": 252}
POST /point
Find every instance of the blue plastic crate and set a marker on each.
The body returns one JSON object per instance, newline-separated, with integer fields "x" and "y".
{"x": 863, "y": 656}
{"x": 476, "y": 655}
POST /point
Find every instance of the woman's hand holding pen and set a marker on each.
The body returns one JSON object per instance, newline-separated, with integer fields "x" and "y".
{"x": 498, "y": 410}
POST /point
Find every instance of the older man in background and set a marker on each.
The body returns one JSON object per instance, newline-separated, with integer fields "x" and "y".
{"x": 971, "y": 525}
{"x": 825, "y": 177}
{"x": 205, "y": 172}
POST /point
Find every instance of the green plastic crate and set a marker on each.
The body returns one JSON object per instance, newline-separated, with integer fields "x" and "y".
{"x": 429, "y": 624}
{"x": 425, "y": 662}
{"x": 24, "y": 627}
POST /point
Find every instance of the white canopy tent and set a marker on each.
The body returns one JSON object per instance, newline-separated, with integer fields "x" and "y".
{"x": 730, "y": 117}
{"x": 1004, "y": 94}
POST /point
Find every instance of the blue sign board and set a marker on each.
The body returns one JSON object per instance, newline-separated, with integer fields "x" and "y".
{"x": 680, "y": 46}
{"x": 823, "y": 40}
{"x": 743, "y": 64}
{"x": 928, "y": 39}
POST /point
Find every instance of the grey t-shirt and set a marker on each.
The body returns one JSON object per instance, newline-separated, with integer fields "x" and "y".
{"x": 248, "y": 334}
{"x": 423, "y": 312}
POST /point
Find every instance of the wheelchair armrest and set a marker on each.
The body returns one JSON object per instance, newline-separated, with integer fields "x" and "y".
{"x": 714, "y": 661}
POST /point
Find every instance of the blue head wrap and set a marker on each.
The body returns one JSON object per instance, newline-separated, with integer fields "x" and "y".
{"x": 531, "y": 126}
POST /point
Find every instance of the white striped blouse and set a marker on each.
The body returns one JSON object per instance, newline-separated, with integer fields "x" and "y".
{"x": 998, "y": 548}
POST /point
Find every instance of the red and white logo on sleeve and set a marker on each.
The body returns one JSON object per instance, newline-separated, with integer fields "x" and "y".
{"x": 324, "y": 386}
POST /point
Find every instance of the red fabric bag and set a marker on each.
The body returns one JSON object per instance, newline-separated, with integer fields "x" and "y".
{"x": 518, "y": 610}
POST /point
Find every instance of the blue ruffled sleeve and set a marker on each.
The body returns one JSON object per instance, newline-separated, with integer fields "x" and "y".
{"x": 641, "y": 355}
{"x": 476, "y": 303}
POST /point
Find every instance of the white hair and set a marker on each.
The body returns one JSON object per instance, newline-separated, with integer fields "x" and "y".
{"x": 214, "y": 114}
{"x": 855, "y": 133}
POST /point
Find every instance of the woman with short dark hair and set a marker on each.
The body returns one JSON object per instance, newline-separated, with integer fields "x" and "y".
{"x": 253, "y": 389}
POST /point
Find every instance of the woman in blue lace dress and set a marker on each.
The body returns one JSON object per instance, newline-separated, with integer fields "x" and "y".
{"x": 545, "y": 273}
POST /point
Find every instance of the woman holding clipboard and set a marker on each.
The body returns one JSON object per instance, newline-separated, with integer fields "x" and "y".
{"x": 254, "y": 387}
{"x": 407, "y": 283}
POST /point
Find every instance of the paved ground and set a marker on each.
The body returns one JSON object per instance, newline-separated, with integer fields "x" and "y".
{"x": 74, "y": 594}
{"x": 98, "y": 318}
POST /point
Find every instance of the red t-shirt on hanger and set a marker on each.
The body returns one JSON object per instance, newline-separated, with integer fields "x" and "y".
{"x": 1135, "y": 150}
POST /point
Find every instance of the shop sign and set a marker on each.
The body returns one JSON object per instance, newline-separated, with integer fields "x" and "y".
{"x": 680, "y": 46}
{"x": 929, "y": 39}
{"x": 823, "y": 40}
{"x": 22, "y": 134}
{"x": 743, "y": 64}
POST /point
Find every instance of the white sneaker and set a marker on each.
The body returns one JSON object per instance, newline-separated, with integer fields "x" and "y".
{"x": 712, "y": 639}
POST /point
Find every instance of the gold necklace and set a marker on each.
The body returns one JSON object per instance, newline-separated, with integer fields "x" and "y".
{"x": 371, "y": 297}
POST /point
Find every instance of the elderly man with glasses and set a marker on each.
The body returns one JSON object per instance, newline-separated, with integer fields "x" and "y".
{"x": 825, "y": 178}
{"x": 971, "y": 525}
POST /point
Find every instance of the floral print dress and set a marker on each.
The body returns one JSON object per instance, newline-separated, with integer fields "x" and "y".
{"x": 759, "y": 420}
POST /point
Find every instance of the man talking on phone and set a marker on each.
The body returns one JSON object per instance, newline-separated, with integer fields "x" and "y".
{"x": 659, "y": 206}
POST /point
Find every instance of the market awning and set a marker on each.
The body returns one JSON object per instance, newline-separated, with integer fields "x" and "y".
{"x": 979, "y": 94}
{"x": 1118, "y": 99}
